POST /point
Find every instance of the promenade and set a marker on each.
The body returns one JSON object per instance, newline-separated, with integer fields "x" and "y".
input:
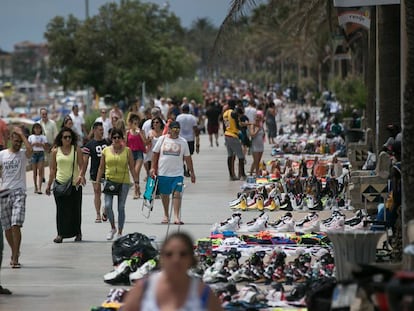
{"x": 69, "y": 276}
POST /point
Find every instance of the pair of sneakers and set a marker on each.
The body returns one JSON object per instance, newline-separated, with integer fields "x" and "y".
{"x": 111, "y": 235}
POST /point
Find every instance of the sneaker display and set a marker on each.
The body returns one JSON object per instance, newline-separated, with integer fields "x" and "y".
{"x": 111, "y": 234}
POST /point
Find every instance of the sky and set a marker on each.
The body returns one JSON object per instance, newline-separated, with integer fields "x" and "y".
{"x": 22, "y": 20}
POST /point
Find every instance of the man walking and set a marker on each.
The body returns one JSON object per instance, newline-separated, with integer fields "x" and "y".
{"x": 78, "y": 124}
{"x": 233, "y": 144}
{"x": 13, "y": 203}
{"x": 189, "y": 131}
{"x": 93, "y": 149}
{"x": 168, "y": 158}
{"x": 49, "y": 127}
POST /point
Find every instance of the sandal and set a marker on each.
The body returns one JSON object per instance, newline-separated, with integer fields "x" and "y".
{"x": 104, "y": 217}
{"x": 78, "y": 238}
{"x": 165, "y": 221}
{"x": 16, "y": 265}
{"x": 58, "y": 239}
{"x": 4, "y": 291}
{"x": 178, "y": 222}
{"x": 98, "y": 220}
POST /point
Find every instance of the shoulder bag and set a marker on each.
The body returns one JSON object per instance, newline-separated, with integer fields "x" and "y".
{"x": 64, "y": 189}
{"x": 112, "y": 187}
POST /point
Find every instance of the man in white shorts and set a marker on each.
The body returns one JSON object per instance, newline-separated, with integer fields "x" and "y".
{"x": 13, "y": 191}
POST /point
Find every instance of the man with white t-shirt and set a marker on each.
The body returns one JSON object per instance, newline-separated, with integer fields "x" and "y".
{"x": 13, "y": 162}
{"x": 250, "y": 111}
{"x": 189, "y": 131}
{"x": 169, "y": 154}
{"x": 78, "y": 124}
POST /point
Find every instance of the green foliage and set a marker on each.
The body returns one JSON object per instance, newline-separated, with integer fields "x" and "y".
{"x": 90, "y": 119}
{"x": 351, "y": 92}
{"x": 118, "y": 49}
{"x": 190, "y": 88}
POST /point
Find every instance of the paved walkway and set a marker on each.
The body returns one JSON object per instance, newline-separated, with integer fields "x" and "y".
{"x": 69, "y": 276}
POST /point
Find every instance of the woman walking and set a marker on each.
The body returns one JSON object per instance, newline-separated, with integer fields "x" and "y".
{"x": 38, "y": 142}
{"x": 271, "y": 122}
{"x": 67, "y": 163}
{"x": 136, "y": 142}
{"x": 116, "y": 162}
{"x": 172, "y": 288}
{"x": 157, "y": 127}
{"x": 257, "y": 134}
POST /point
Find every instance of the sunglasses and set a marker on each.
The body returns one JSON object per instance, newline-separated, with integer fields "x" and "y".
{"x": 156, "y": 122}
{"x": 181, "y": 254}
{"x": 67, "y": 137}
{"x": 18, "y": 141}
{"x": 175, "y": 129}
{"x": 116, "y": 137}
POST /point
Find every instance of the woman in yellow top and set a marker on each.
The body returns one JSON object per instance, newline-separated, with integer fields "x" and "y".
{"x": 116, "y": 162}
{"x": 67, "y": 161}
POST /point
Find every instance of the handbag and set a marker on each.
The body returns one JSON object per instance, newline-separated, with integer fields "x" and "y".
{"x": 64, "y": 189}
{"x": 111, "y": 187}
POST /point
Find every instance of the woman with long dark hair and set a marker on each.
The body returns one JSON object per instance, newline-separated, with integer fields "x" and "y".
{"x": 172, "y": 288}
{"x": 67, "y": 162}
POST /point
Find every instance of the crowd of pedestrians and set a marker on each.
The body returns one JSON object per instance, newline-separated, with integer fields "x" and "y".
{"x": 162, "y": 138}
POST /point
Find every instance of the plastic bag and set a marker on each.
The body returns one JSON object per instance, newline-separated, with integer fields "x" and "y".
{"x": 133, "y": 245}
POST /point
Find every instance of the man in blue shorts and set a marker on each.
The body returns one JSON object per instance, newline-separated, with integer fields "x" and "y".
{"x": 169, "y": 154}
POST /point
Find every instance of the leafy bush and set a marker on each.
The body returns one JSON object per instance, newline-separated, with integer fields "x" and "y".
{"x": 190, "y": 88}
{"x": 351, "y": 92}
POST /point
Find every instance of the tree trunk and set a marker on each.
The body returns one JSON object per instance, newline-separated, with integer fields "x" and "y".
{"x": 389, "y": 111}
{"x": 408, "y": 124}
{"x": 370, "y": 77}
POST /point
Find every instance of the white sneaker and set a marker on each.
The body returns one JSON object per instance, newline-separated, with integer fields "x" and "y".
{"x": 111, "y": 234}
{"x": 259, "y": 225}
{"x": 143, "y": 271}
{"x": 287, "y": 225}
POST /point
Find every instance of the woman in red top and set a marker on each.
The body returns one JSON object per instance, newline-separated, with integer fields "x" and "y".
{"x": 136, "y": 141}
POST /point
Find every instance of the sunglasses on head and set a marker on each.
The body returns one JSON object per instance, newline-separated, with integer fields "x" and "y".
{"x": 170, "y": 254}
{"x": 67, "y": 137}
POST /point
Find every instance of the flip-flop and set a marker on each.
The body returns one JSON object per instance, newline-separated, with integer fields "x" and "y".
{"x": 164, "y": 221}
{"x": 16, "y": 265}
{"x": 4, "y": 291}
{"x": 104, "y": 217}
{"x": 98, "y": 220}
{"x": 178, "y": 223}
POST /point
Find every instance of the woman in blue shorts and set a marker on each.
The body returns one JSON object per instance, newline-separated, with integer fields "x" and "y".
{"x": 38, "y": 142}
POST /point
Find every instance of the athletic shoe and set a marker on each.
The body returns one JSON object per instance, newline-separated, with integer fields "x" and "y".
{"x": 236, "y": 201}
{"x": 336, "y": 224}
{"x": 288, "y": 215}
{"x": 143, "y": 271}
{"x": 242, "y": 205}
{"x": 111, "y": 234}
{"x": 309, "y": 224}
{"x": 358, "y": 215}
{"x": 259, "y": 225}
{"x": 260, "y": 203}
{"x": 230, "y": 224}
{"x": 120, "y": 275}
